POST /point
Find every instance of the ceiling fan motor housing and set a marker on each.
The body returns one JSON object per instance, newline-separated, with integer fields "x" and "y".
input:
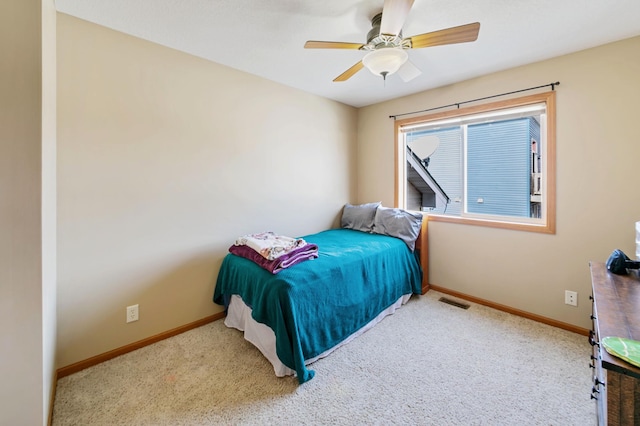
{"x": 375, "y": 27}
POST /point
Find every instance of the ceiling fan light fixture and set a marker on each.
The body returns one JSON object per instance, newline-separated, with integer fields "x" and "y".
{"x": 385, "y": 61}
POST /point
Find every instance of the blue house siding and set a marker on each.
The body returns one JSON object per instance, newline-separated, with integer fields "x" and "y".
{"x": 499, "y": 168}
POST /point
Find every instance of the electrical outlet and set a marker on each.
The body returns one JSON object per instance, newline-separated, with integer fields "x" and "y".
{"x": 571, "y": 298}
{"x": 132, "y": 313}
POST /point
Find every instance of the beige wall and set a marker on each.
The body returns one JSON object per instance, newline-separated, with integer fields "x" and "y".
{"x": 597, "y": 163}
{"x": 27, "y": 210}
{"x": 163, "y": 160}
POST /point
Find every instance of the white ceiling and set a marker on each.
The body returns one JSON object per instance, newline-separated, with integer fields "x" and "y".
{"x": 266, "y": 38}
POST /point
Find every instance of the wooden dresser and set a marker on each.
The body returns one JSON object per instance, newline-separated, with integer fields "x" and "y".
{"x": 616, "y": 312}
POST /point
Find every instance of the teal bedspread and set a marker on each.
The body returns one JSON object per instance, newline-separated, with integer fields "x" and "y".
{"x": 318, "y": 303}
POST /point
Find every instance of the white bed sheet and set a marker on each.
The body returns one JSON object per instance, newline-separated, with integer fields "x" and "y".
{"x": 263, "y": 337}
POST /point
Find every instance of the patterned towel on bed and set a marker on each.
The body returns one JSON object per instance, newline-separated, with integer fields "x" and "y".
{"x": 269, "y": 244}
{"x": 287, "y": 260}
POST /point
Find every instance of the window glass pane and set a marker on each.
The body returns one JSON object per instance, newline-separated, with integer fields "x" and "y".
{"x": 498, "y": 168}
{"x": 435, "y": 181}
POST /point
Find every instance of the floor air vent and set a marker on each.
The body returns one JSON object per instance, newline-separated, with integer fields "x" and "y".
{"x": 454, "y": 303}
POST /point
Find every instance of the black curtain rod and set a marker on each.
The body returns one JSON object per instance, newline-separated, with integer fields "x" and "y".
{"x": 457, "y": 104}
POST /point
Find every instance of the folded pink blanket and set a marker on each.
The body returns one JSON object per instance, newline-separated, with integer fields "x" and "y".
{"x": 269, "y": 244}
{"x": 287, "y": 260}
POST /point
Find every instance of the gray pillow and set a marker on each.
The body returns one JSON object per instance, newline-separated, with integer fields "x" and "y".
{"x": 398, "y": 223}
{"x": 359, "y": 217}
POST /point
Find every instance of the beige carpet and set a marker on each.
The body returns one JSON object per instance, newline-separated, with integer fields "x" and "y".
{"x": 428, "y": 364}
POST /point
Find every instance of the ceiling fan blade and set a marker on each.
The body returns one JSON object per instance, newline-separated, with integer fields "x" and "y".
{"x": 453, "y": 35}
{"x": 408, "y": 71}
{"x": 350, "y": 72}
{"x": 312, "y": 44}
{"x": 394, "y": 13}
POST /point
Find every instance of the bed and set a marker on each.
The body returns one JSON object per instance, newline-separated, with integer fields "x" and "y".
{"x": 305, "y": 312}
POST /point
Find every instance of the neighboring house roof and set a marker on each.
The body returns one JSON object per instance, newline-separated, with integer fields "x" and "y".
{"x": 423, "y": 181}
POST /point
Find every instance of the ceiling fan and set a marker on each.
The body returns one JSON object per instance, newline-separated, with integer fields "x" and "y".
{"x": 386, "y": 46}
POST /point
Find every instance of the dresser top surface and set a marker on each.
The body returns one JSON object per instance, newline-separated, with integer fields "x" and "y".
{"x": 617, "y": 301}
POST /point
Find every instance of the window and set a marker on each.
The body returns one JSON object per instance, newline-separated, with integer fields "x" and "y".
{"x": 490, "y": 165}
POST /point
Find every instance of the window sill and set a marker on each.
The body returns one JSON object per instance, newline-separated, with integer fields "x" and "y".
{"x": 548, "y": 228}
